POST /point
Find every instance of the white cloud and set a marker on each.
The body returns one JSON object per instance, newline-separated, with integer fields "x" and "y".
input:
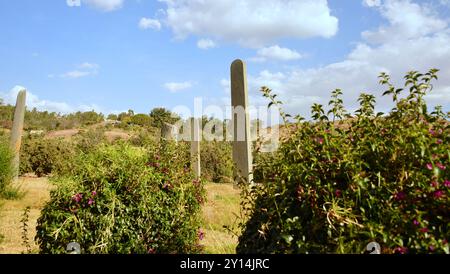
{"x": 175, "y": 87}
{"x": 249, "y": 22}
{"x": 226, "y": 85}
{"x": 33, "y": 101}
{"x": 425, "y": 48}
{"x": 75, "y": 74}
{"x": 103, "y": 5}
{"x": 372, "y": 3}
{"x": 206, "y": 44}
{"x": 276, "y": 53}
{"x": 445, "y": 3}
{"x": 73, "y": 3}
{"x": 88, "y": 65}
{"x": 407, "y": 20}
{"x": 83, "y": 70}
{"x": 147, "y": 23}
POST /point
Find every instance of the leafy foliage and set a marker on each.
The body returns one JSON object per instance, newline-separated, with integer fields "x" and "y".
{"x": 45, "y": 156}
{"x": 122, "y": 199}
{"x": 216, "y": 161}
{"x": 5, "y": 164}
{"x": 161, "y": 115}
{"x": 334, "y": 187}
{"x": 44, "y": 120}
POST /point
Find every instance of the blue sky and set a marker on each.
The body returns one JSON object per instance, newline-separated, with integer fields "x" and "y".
{"x": 113, "y": 55}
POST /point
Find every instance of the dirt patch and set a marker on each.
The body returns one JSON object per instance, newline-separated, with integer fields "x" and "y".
{"x": 68, "y": 133}
{"x": 114, "y": 135}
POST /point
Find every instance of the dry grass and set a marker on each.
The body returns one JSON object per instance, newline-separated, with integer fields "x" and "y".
{"x": 36, "y": 193}
{"x": 116, "y": 134}
{"x": 221, "y": 209}
{"x": 67, "y": 133}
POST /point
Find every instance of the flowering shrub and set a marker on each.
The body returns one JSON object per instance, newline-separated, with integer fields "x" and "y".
{"x": 120, "y": 199}
{"x": 339, "y": 182}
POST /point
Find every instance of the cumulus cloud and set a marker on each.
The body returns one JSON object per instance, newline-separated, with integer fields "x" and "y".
{"x": 407, "y": 20}
{"x": 248, "y": 22}
{"x": 147, "y": 23}
{"x": 426, "y": 47}
{"x": 276, "y": 53}
{"x": 445, "y": 3}
{"x": 206, "y": 44}
{"x": 103, "y": 5}
{"x": 372, "y": 3}
{"x": 33, "y": 101}
{"x": 175, "y": 87}
{"x": 73, "y": 3}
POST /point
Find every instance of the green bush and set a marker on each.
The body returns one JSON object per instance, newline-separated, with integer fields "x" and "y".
{"x": 88, "y": 140}
{"x": 121, "y": 199}
{"x": 216, "y": 161}
{"x": 335, "y": 186}
{"x": 45, "y": 156}
{"x": 144, "y": 137}
{"x": 5, "y": 164}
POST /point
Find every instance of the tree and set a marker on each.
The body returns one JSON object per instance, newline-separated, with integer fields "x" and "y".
{"x": 113, "y": 117}
{"x": 161, "y": 115}
{"x": 141, "y": 120}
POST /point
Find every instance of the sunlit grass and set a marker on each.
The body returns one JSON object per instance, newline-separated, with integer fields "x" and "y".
{"x": 220, "y": 211}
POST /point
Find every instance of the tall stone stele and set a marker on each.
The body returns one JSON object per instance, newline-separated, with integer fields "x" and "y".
{"x": 242, "y": 154}
{"x": 17, "y": 130}
{"x": 195, "y": 146}
{"x": 168, "y": 132}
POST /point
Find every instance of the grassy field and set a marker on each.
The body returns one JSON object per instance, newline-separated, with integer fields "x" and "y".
{"x": 35, "y": 194}
{"x": 219, "y": 211}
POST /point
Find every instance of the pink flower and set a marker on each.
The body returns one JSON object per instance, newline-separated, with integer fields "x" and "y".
{"x": 338, "y": 193}
{"x": 424, "y": 230}
{"x": 401, "y": 250}
{"x": 438, "y": 194}
{"x": 432, "y": 132}
{"x": 447, "y": 183}
{"x": 91, "y": 201}
{"x": 431, "y": 248}
{"x": 441, "y": 166}
{"x": 151, "y": 251}
{"x": 77, "y": 197}
{"x": 399, "y": 196}
{"x": 439, "y": 141}
{"x": 434, "y": 184}
{"x": 429, "y": 166}
{"x": 319, "y": 140}
{"x": 201, "y": 235}
{"x": 416, "y": 223}
{"x": 94, "y": 193}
